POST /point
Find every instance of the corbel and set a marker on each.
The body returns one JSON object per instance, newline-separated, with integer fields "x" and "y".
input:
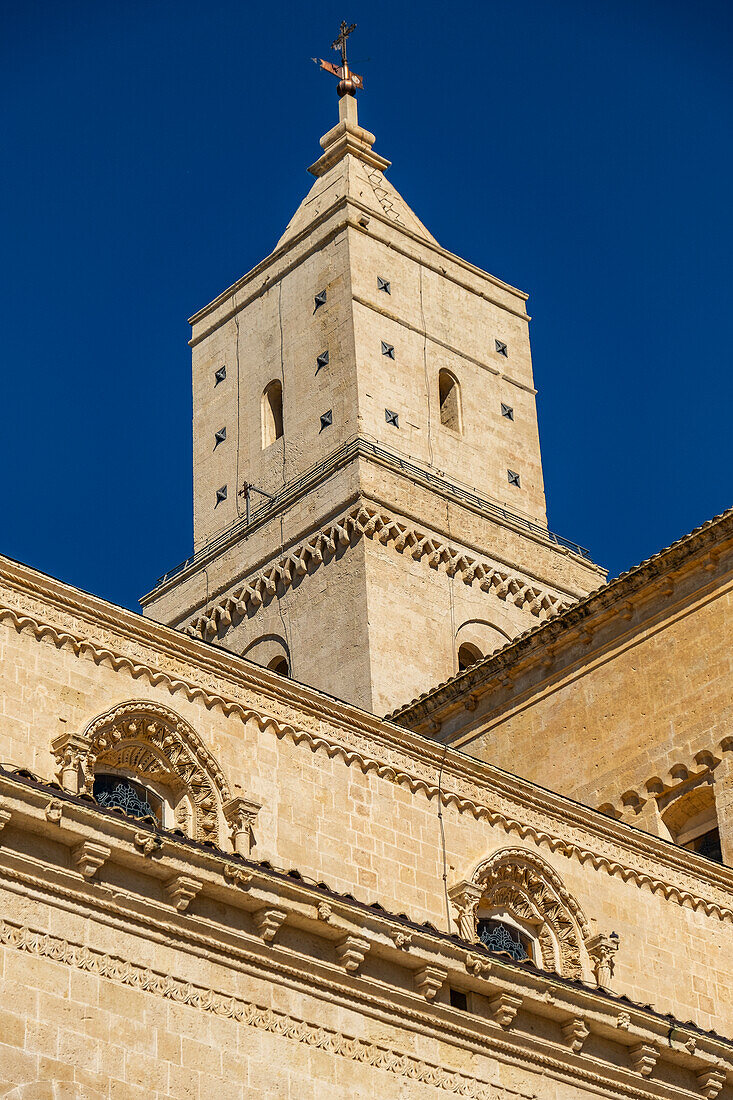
{"x": 429, "y": 981}
{"x": 575, "y": 1031}
{"x": 644, "y": 1057}
{"x": 183, "y": 889}
{"x": 478, "y": 966}
{"x": 351, "y": 952}
{"x": 504, "y": 1008}
{"x": 241, "y": 814}
{"x": 711, "y": 1081}
{"x": 268, "y": 922}
{"x": 401, "y": 939}
{"x": 237, "y": 876}
{"x": 54, "y": 811}
{"x": 147, "y": 843}
{"x": 89, "y": 856}
{"x": 324, "y": 911}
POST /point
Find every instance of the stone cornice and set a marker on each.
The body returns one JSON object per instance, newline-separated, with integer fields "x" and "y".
{"x": 369, "y": 521}
{"x": 200, "y": 672}
{"x": 429, "y": 957}
{"x": 699, "y": 549}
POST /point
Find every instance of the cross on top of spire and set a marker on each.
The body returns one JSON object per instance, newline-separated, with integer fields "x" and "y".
{"x": 348, "y": 82}
{"x": 339, "y": 42}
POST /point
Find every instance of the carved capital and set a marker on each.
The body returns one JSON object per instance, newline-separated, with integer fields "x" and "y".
{"x": 504, "y": 1008}
{"x": 268, "y": 922}
{"x": 241, "y": 814}
{"x": 89, "y": 856}
{"x": 71, "y": 751}
{"x": 182, "y": 889}
{"x": 602, "y": 951}
{"x": 644, "y": 1057}
{"x": 351, "y": 952}
{"x": 465, "y": 897}
{"x": 710, "y": 1082}
{"x": 429, "y": 981}
{"x": 575, "y": 1032}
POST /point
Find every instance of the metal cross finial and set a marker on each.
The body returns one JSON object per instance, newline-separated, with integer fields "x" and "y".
{"x": 348, "y": 82}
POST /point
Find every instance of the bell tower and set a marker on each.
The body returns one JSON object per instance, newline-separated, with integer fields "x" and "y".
{"x": 369, "y": 509}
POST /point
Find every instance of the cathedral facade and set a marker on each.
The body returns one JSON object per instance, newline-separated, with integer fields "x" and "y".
{"x": 225, "y": 876}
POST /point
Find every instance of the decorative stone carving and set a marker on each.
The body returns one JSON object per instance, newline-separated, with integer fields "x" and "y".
{"x": 89, "y": 856}
{"x": 520, "y": 881}
{"x": 623, "y": 1021}
{"x": 147, "y": 843}
{"x": 644, "y": 1058}
{"x": 429, "y": 981}
{"x": 401, "y": 938}
{"x": 479, "y": 966}
{"x": 238, "y": 876}
{"x": 602, "y": 950}
{"x": 268, "y": 922}
{"x": 71, "y": 751}
{"x": 241, "y": 814}
{"x": 711, "y": 1082}
{"x": 182, "y": 890}
{"x": 54, "y": 811}
{"x": 465, "y": 897}
{"x": 351, "y": 952}
{"x": 325, "y": 911}
{"x": 504, "y": 1008}
{"x": 5, "y": 816}
{"x": 575, "y": 1031}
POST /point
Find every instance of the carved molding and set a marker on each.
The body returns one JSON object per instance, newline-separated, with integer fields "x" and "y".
{"x": 575, "y": 1031}
{"x": 429, "y": 981}
{"x": 351, "y": 952}
{"x": 504, "y": 1008}
{"x": 401, "y": 1064}
{"x": 5, "y": 816}
{"x": 711, "y": 1082}
{"x": 268, "y": 922}
{"x": 366, "y": 521}
{"x": 147, "y": 843}
{"x": 182, "y": 890}
{"x": 89, "y": 856}
{"x": 644, "y": 1057}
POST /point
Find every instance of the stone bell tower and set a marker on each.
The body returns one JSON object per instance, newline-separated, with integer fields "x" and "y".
{"x": 369, "y": 510}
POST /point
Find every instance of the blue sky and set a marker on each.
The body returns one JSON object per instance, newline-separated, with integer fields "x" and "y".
{"x": 155, "y": 151}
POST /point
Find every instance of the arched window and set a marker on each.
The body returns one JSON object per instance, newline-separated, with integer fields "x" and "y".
{"x": 280, "y": 666}
{"x": 118, "y": 792}
{"x": 468, "y": 655}
{"x": 449, "y": 392}
{"x": 504, "y": 935}
{"x": 272, "y": 412}
{"x": 691, "y": 818}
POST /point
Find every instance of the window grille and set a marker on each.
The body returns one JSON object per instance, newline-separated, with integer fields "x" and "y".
{"x": 115, "y": 792}
{"x": 500, "y": 937}
{"x": 221, "y": 495}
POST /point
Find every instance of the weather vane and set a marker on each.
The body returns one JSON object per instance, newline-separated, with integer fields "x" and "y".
{"x": 348, "y": 82}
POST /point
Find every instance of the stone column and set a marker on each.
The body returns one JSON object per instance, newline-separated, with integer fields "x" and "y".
{"x": 241, "y": 814}
{"x": 723, "y": 792}
{"x": 602, "y": 950}
{"x": 465, "y": 897}
{"x": 71, "y": 751}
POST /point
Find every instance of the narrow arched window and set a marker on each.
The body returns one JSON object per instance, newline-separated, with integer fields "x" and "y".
{"x": 280, "y": 666}
{"x": 468, "y": 655}
{"x": 449, "y": 392}
{"x": 272, "y": 412}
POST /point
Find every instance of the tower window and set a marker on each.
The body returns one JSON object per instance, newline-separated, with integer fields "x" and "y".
{"x": 320, "y": 300}
{"x": 392, "y": 418}
{"x": 321, "y": 360}
{"x": 219, "y": 437}
{"x": 117, "y": 792}
{"x": 468, "y": 655}
{"x": 458, "y": 999}
{"x": 219, "y": 375}
{"x": 449, "y": 393}
{"x": 387, "y": 349}
{"x": 501, "y": 348}
{"x": 498, "y": 936}
{"x": 221, "y": 495}
{"x": 513, "y": 478}
{"x": 507, "y": 411}
{"x": 272, "y": 412}
{"x": 383, "y": 284}
{"x": 326, "y": 419}
{"x": 280, "y": 666}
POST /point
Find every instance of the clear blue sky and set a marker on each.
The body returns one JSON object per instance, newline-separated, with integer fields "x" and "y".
{"x": 155, "y": 151}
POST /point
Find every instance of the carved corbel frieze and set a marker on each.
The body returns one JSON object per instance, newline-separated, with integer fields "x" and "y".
{"x": 89, "y": 856}
{"x": 351, "y": 952}
{"x": 268, "y": 922}
{"x": 71, "y": 751}
{"x": 401, "y": 939}
{"x": 465, "y": 897}
{"x": 602, "y": 951}
{"x": 644, "y": 1057}
{"x": 237, "y": 876}
{"x": 478, "y": 966}
{"x": 429, "y": 981}
{"x": 324, "y": 911}
{"x": 710, "y": 1082}
{"x": 575, "y": 1032}
{"x": 147, "y": 843}
{"x": 183, "y": 889}
{"x": 504, "y": 1008}
{"x": 54, "y": 811}
{"x": 241, "y": 814}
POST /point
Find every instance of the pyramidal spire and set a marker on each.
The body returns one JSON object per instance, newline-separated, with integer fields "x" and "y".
{"x": 349, "y": 170}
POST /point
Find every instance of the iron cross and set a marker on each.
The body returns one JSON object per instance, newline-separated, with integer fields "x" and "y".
{"x": 339, "y": 43}
{"x": 349, "y": 82}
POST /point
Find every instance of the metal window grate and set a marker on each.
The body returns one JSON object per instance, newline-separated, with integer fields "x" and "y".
{"x": 392, "y": 418}
{"x": 220, "y": 375}
{"x": 221, "y": 495}
{"x": 320, "y": 300}
{"x": 507, "y": 411}
{"x": 501, "y": 348}
{"x": 219, "y": 437}
{"x": 384, "y": 284}
{"x": 387, "y": 349}
{"x": 513, "y": 478}
{"x": 321, "y": 361}
{"x": 326, "y": 419}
